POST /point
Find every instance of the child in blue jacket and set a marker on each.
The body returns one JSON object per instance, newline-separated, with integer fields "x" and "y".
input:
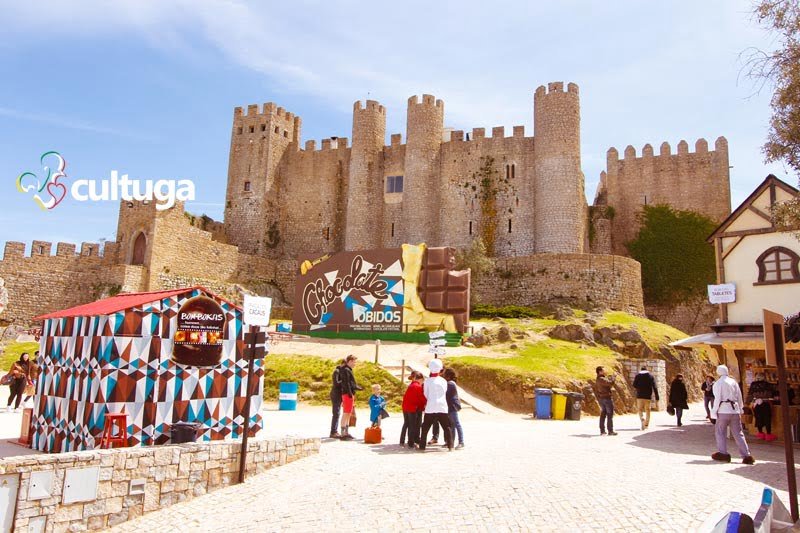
{"x": 377, "y": 405}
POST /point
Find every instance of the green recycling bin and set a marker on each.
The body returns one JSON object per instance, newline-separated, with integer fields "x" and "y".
{"x": 574, "y": 405}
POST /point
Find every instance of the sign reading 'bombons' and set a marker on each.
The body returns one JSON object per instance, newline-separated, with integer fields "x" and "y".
{"x": 198, "y": 338}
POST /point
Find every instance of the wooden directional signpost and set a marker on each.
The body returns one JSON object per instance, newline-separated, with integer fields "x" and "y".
{"x": 774, "y": 343}
{"x": 256, "y": 315}
{"x": 437, "y": 343}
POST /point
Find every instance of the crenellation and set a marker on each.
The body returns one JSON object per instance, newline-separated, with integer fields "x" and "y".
{"x": 630, "y": 152}
{"x": 311, "y": 146}
{"x": 269, "y": 108}
{"x": 665, "y": 149}
{"x": 327, "y": 144}
{"x": 65, "y": 249}
{"x": 395, "y": 139}
{"x": 498, "y": 132}
{"x": 14, "y": 249}
{"x": 279, "y": 112}
{"x": 519, "y": 132}
{"x": 477, "y": 133}
{"x": 90, "y": 249}
{"x": 555, "y": 87}
{"x": 252, "y": 110}
{"x": 701, "y": 146}
{"x": 41, "y": 248}
{"x": 572, "y": 88}
{"x": 721, "y": 145}
{"x": 457, "y": 135}
{"x": 683, "y": 147}
{"x": 612, "y": 156}
{"x": 647, "y": 150}
{"x": 341, "y": 143}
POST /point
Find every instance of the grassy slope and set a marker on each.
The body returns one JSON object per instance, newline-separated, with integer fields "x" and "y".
{"x": 314, "y": 374}
{"x": 13, "y": 350}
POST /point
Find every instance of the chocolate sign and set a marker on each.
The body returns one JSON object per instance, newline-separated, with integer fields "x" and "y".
{"x": 351, "y": 291}
{"x": 198, "y": 337}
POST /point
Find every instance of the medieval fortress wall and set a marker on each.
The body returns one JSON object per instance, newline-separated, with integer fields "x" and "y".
{"x": 523, "y": 196}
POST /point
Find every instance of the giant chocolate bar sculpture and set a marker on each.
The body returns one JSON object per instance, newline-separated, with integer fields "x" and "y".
{"x": 443, "y": 289}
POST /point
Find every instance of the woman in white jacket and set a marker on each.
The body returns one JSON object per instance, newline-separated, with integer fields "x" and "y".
{"x": 435, "y": 389}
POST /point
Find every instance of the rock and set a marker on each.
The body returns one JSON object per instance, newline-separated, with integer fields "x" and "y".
{"x": 469, "y": 344}
{"x": 503, "y": 334}
{"x": 477, "y": 339}
{"x": 630, "y": 335}
{"x": 518, "y": 331}
{"x": 590, "y": 321}
{"x": 513, "y": 346}
{"x": 307, "y": 395}
{"x": 572, "y": 332}
{"x": 563, "y": 313}
{"x": 520, "y": 337}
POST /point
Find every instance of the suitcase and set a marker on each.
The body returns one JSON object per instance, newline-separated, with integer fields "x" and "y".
{"x": 372, "y": 435}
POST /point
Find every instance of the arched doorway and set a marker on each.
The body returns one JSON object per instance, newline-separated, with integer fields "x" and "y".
{"x": 139, "y": 246}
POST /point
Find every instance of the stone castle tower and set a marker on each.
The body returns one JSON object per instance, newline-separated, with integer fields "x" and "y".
{"x": 520, "y": 195}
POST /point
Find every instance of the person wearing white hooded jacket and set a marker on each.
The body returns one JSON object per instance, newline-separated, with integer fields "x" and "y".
{"x": 435, "y": 389}
{"x": 727, "y": 411}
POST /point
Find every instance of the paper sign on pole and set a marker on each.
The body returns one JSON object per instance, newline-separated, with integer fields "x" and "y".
{"x": 438, "y": 342}
{"x": 436, "y": 334}
{"x": 440, "y": 351}
{"x": 724, "y": 293}
{"x": 257, "y": 310}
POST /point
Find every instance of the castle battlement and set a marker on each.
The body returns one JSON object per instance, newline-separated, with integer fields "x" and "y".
{"x": 41, "y": 249}
{"x": 427, "y": 99}
{"x": 498, "y": 132}
{"x": 371, "y": 105}
{"x": 665, "y": 150}
{"x": 268, "y": 109}
{"x": 556, "y": 87}
{"x": 326, "y": 145}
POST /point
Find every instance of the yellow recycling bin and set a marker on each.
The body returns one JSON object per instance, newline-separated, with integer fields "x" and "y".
{"x": 559, "y": 403}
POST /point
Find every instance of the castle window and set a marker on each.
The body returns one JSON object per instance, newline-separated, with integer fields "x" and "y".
{"x": 40, "y": 249}
{"x": 778, "y": 265}
{"x": 240, "y": 130}
{"x": 263, "y": 127}
{"x": 139, "y": 246}
{"x": 513, "y": 171}
{"x": 394, "y": 184}
{"x": 247, "y": 186}
{"x": 470, "y": 227}
{"x": 510, "y": 170}
{"x": 327, "y": 233}
{"x": 88, "y": 250}
{"x": 518, "y": 201}
{"x": 509, "y": 225}
{"x": 252, "y": 129}
{"x": 285, "y": 133}
{"x": 392, "y": 229}
{"x": 277, "y": 129}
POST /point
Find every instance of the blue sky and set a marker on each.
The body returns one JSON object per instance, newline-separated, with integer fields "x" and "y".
{"x": 148, "y": 87}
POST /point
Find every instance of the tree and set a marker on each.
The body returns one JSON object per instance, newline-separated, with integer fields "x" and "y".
{"x": 781, "y": 68}
{"x": 475, "y": 258}
{"x": 677, "y": 262}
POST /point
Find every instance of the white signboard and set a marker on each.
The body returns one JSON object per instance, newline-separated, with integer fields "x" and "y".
{"x": 722, "y": 294}
{"x": 437, "y": 350}
{"x": 257, "y": 310}
{"x": 436, "y": 334}
{"x": 438, "y": 342}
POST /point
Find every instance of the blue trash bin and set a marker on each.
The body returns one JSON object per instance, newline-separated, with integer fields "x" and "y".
{"x": 543, "y": 399}
{"x": 287, "y": 396}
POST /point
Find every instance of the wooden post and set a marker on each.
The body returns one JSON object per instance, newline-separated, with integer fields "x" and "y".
{"x": 402, "y": 371}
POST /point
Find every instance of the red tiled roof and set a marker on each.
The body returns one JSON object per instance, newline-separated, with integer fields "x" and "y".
{"x": 120, "y": 302}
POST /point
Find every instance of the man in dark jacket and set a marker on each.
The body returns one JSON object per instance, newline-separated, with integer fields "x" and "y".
{"x": 645, "y": 385}
{"x": 348, "y": 388}
{"x": 603, "y": 392}
{"x": 336, "y": 399}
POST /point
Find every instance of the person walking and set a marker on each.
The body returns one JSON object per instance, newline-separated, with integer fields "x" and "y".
{"x": 349, "y": 388}
{"x": 33, "y": 375}
{"x": 20, "y": 374}
{"x": 602, "y": 390}
{"x": 645, "y": 385}
{"x": 413, "y": 405}
{"x": 453, "y": 407}
{"x": 336, "y": 399}
{"x": 435, "y": 389}
{"x": 708, "y": 395}
{"x": 760, "y": 395}
{"x": 727, "y": 411}
{"x": 678, "y": 397}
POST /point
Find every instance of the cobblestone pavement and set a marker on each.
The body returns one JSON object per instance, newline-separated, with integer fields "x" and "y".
{"x": 514, "y": 474}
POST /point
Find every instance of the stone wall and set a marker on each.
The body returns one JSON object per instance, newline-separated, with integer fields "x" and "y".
{"x": 658, "y": 368}
{"x": 606, "y": 281}
{"x": 165, "y": 474}
{"x": 698, "y": 181}
{"x": 692, "y": 319}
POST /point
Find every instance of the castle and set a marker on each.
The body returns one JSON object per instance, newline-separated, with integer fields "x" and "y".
{"x": 523, "y": 197}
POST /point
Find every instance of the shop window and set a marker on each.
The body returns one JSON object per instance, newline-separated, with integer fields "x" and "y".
{"x": 247, "y": 186}
{"x": 778, "y": 265}
{"x": 394, "y": 184}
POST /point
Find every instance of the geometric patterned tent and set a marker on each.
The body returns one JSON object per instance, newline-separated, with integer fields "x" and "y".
{"x": 114, "y": 355}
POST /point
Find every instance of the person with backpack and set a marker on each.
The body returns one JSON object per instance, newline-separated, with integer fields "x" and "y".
{"x": 603, "y": 387}
{"x": 336, "y": 399}
{"x": 645, "y": 385}
{"x": 18, "y": 380}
